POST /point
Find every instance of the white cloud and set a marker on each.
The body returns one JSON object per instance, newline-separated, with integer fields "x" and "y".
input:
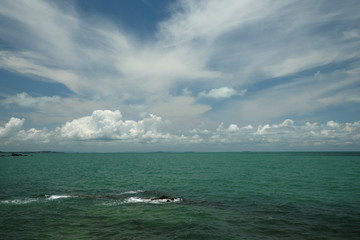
{"x": 25, "y": 63}
{"x": 204, "y": 21}
{"x": 235, "y": 44}
{"x": 11, "y": 127}
{"x": 223, "y": 92}
{"x": 288, "y": 136}
{"x": 262, "y": 129}
{"x": 287, "y": 123}
{"x": 332, "y": 124}
{"x": 233, "y": 128}
{"x": 25, "y": 100}
{"x": 186, "y": 92}
{"x": 298, "y": 63}
{"x": 36, "y": 136}
{"x": 302, "y": 96}
{"x": 79, "y": 52}
{"x": 106, "y": 126}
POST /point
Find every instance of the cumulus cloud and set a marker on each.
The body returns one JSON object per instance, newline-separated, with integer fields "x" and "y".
{"x": 262, "y": 129}
{"x": 106, "y": 126}
{"x": 11, "y": 127}
{"x": 219, "y": 93}
{"x": 101, "y": 125}
{"x": 332, "y": 124}
{"x": 288, "y": 136}
{"x": 25, "y": 100}
{"x": 109, "y": 125}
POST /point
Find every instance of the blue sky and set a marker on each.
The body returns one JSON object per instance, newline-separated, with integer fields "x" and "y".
{"x": 147, "y": 75}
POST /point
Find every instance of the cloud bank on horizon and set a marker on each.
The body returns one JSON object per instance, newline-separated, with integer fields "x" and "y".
{"x": 209, "y": 75}
{"x": 107, "y": 129}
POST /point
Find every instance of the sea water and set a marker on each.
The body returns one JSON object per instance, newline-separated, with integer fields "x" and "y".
{"x": 210, "y": 196}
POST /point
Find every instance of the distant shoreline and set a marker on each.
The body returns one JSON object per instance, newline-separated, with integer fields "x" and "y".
{"x": 21, "y": 153}
{"x": 160, "y": 152}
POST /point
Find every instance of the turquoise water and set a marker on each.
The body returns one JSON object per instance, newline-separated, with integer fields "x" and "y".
{"x": 212, "y": 196}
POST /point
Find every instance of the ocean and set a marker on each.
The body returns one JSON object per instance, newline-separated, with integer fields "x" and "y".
{"x": 180, "y": 196}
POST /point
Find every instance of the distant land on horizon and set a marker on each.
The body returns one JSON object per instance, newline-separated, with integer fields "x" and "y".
{"x": 67, "y": 152}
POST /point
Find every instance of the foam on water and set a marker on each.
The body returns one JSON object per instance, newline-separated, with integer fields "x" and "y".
{"x": 133, "y": 192}
{"x": 151, "y": 200}
{"x": 29, "y": 200}
{"x": 120, "y": 200}
{"x": 54, "y": 197}
{"x": 18, "y": 201}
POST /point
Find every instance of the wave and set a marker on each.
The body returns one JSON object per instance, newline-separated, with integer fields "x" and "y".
{"x": 18, "y": 201}
{"x": 151, "y": 200}
{"x": 133, "y": 192}
{"x": 146, "y": 197}
{"x": 54, "y": 197}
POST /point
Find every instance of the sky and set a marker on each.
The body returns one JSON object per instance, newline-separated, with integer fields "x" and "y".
{"x": 141, "y": 75}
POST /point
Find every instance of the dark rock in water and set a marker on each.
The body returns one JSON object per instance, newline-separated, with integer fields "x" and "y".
{"x": 164, "y": 197}
{"x": 16, "y": 154}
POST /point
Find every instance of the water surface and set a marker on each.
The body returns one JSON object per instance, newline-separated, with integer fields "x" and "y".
{"x": 213, "y": 196}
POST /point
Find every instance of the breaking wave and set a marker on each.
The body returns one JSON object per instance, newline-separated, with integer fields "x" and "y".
{"x": 54, "y": 197}
{"x": 151, "y": 200}
{"x": 133, "y": 192}
{"x": 139, "y": 196}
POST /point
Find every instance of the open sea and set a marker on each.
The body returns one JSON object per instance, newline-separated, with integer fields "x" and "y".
{"x": 180, "y": 196}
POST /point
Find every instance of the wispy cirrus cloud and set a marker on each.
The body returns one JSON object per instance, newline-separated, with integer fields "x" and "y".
{"x": 25, "y": 100}
{"x": 296, "y": 59}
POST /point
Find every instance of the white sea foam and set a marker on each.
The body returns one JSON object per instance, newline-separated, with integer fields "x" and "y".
{"x": 133, "y": 192}
{"x": 19, "y": 201}
{"x": 151, "y": 200}
{"x": 54, "y": 197}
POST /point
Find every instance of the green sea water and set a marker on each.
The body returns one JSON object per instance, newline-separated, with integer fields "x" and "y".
{"x": 211, "y": 196}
